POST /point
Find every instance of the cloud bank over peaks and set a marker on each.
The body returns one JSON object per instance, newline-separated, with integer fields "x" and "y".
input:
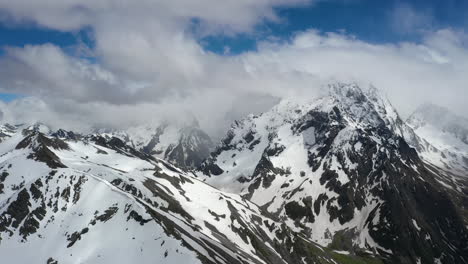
{"x": 148, "y": 63}
{"x": 233, "y": 15}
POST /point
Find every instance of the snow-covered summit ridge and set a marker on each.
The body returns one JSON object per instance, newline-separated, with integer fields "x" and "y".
{"x": 185, "y": 145}
{"x": 369, "y": 106}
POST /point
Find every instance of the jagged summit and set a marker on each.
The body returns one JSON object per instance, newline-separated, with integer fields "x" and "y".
{"x": 42, "y": 148}
{"x": 365, "y": 106}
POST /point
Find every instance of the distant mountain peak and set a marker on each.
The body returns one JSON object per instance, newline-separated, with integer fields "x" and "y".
{"x": 39, "y": 126}
{"x": 185, "y": 145}
{"x": 444, "y": 137}
{"x": 439, "y": 119}
{"x": 437, "y": 116}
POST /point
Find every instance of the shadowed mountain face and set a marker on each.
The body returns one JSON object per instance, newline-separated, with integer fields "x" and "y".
{"x": 338, "y": 179}
{"x": 340, "y": 171}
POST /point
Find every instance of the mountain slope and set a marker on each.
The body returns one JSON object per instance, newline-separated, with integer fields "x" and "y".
{"x": 7, "y": 131}
{"x": 339, "y": 170}
{"x": 97, "y": 200}
{"x": 186, "y": 146}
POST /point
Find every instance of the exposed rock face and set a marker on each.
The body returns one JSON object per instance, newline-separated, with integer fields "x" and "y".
{"x": 41, "y": 148}
{"x": 340, "y": 170}
{"x": 64, "y": 134}
{"x": 7, "y": 131}
{"x": 192, "y": 148}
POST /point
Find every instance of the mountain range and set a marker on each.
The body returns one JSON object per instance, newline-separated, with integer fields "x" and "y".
{"x": 341, "y": 178}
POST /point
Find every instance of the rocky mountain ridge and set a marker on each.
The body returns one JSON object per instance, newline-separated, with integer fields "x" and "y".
{"x": 185, "y": 146}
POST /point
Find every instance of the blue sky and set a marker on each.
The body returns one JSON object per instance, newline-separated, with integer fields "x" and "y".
{"x": 8, "y": 97}
{"x": 368, "y": 20}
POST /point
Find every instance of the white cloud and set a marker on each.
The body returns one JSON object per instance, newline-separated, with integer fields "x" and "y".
{"x": 45, "y": 70}
{"x": 232, "y": 15}
{"x": 435, "y": 70}
{"x": 150, "y": 65}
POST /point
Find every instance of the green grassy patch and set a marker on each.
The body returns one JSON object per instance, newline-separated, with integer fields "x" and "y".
{"x": 348, "y": 259}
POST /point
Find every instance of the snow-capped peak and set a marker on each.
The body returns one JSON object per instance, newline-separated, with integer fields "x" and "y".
{"x": 365, "y": 106}
{"x": 40, "y": 127}
{"x": 336, "y": 167}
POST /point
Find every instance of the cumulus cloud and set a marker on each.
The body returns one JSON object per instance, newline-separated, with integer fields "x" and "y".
{"x": 435, "y": 70}
{"x": 231, "y": 15}
{"x": 47, "y": 70}
{"x": 149, "y": 65}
